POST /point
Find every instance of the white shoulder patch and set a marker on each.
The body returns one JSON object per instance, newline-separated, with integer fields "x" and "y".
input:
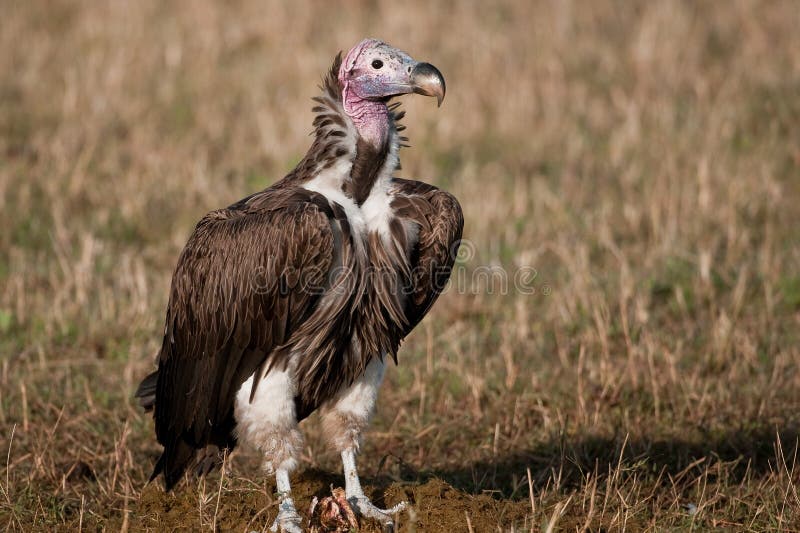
{"x": 377, "y": 207}
{"x": 329, "y": 184}
{"x": 376, "y": 211}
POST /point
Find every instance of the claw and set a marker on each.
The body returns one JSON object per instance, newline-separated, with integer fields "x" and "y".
{"x": 364, "y": 507}
{"x": 357, "y": 499}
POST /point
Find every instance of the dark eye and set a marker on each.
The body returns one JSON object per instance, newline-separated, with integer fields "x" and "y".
{"x": 377, "y": 64}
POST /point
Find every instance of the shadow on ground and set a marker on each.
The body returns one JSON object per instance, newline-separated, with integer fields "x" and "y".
{"x": 743, "y": 452}
{"x": 489, "y": 492}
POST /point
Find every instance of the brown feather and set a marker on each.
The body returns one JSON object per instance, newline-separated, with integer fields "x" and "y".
{"x": 441, "y": 223}
{"x": 222, "y": 325}
{"x": 280, "y": 274}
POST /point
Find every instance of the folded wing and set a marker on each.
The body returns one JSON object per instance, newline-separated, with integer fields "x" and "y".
{"x": 248, "y": 277}
{"x": 440, "y": 221}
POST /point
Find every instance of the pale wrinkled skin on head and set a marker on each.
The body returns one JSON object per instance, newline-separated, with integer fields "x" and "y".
{"x": 374, "y": 70}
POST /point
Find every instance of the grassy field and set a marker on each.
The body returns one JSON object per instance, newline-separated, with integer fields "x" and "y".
{"x": 631, "y": 168}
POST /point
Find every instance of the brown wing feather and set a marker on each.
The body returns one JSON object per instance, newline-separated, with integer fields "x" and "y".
{"x": 440, "y": 222}
{"x": 236, "y": 295}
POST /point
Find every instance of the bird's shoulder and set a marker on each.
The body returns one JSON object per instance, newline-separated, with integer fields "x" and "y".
{"x": 282, "y": 213}
{"x": 274, "y": 203}
{"x": 278, "y": 227}
{"x": 424, "y": 202}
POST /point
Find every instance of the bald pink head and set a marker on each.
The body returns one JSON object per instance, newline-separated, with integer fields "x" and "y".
{"x": 373, "y": 72}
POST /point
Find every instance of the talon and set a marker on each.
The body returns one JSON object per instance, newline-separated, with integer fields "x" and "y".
{"x": 364, "y": 507}
{"x": 358, "y": 501}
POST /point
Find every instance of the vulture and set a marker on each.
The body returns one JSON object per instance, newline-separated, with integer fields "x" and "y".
{"x": 290, "y": 300}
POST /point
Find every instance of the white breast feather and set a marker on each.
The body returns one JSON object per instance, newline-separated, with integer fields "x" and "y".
{"x": 376, "y": 212}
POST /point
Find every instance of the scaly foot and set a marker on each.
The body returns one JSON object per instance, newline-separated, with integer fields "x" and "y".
{"x": 364, "y": 507}
{"x": 287, "y": 520}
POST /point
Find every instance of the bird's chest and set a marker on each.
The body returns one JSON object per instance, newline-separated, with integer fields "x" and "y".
{"x": 372, "y": 264}
{"x": 381, "y": 240}
{"x": 373, "y": 227}
{"x": 374, "y": 217}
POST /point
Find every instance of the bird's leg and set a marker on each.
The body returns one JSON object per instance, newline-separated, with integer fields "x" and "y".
{"x": 343, "y": 423}
{"x": 355, "y": 494}
{"x": 287, "y": 520}
{"x": 269, "y": 423}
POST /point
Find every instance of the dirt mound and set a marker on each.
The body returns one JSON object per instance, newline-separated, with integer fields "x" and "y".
{"x": 242, "y": 506}
{"x": 437, "y": 506}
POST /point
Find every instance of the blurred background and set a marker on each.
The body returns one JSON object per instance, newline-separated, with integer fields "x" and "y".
{"x": 640, "y": 161}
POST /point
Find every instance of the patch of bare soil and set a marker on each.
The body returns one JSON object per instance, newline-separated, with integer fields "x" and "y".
{"x": 434, "y": 506}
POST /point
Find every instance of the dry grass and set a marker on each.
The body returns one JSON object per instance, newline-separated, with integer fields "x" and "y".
{"x": 643, "y": 157}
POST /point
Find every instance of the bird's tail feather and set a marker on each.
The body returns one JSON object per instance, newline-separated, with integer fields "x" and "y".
{"x": 177, "y": 455}
{"x": 146, "y": 393}
{"x": 173, "y": 463}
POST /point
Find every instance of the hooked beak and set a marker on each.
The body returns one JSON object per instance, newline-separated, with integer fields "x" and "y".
{"x": 427, "y": 80}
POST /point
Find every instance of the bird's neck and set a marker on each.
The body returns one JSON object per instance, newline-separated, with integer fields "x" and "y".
{"x": 373, "y": 123}
{"x": 371, "y": 119}
{"x": 361, "y": 132}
